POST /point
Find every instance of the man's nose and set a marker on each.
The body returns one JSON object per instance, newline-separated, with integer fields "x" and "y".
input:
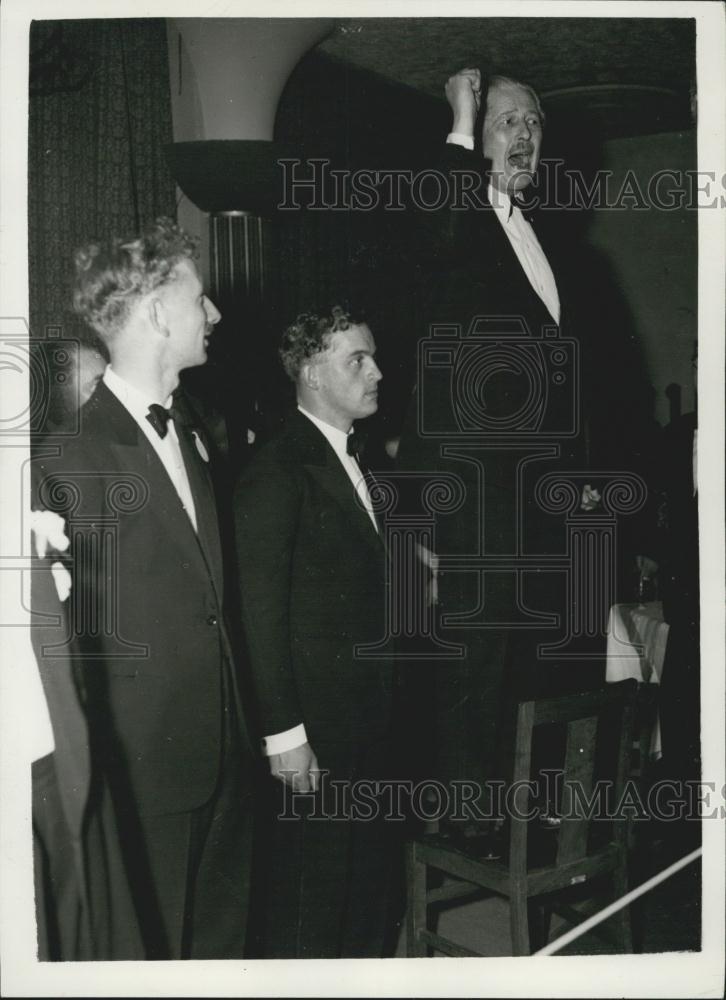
{"x": 213, "y": 314}
{"x": 524, "y": 130}
{"x": 375, "y": 372}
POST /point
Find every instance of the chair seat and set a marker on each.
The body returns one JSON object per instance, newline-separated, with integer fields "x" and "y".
{"x": 544, "y": 856}
{"x": 468, "y": 855}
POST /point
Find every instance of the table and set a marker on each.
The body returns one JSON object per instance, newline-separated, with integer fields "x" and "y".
{"x": 636, "y": 645}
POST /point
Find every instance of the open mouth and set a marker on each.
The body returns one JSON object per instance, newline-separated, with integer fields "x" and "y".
{"x": 521, "y": 160}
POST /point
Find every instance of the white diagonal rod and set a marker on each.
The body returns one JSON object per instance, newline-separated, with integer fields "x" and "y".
{"x": 618, "y": 904}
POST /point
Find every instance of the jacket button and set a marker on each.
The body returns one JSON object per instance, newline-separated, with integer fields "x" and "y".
{"x": 212, "y": 620}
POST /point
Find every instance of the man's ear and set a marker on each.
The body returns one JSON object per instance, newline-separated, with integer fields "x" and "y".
{"x": 309, "y": 375}
{"x": 157, "y": 316}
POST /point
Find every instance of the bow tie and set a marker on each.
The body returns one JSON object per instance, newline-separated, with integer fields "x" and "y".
{"x": 355, "y": 444}
{"x": 158, "y": 416}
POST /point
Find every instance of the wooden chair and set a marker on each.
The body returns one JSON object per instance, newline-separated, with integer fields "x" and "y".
{"x": 541, "y": 863}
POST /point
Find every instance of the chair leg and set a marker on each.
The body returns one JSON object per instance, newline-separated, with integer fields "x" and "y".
{"x": 519, "y": 923}
{"x": 621, "y": 919}
{"x": 546, "y": 922}
{"x": 416, "y": 904}
{"x": 540, "y": 914}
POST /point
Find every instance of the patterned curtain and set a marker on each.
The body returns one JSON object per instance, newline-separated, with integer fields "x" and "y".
{"x": 99, "y": 117}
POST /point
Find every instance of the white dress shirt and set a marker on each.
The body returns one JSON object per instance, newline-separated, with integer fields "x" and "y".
{"x": 338, "y": 441}
{"x": 290, "y": 739}
{"x": 522, "y": 238}
{"x": 167, "y": 448}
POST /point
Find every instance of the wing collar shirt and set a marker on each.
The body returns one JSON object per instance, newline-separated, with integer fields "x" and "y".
{"x": 522, "y": 237}
{"x": 167, "y": 448}
{"x": 290, "y": 739}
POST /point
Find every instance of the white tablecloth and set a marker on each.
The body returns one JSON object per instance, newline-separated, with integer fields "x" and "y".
{"x": 636, "y": 645}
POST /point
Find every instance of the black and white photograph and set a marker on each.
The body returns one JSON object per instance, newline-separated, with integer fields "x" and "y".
{"x": 362, "y": 498}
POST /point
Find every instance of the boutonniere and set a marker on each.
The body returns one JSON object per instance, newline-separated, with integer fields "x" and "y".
{"x": 200, "y": 446}
{"x": 49, "y": 532}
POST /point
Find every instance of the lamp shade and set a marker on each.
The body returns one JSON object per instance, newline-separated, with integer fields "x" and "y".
{"x": 227, "y": 175}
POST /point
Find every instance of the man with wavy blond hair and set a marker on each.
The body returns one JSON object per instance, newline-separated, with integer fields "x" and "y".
{"x": 152, "y": 656}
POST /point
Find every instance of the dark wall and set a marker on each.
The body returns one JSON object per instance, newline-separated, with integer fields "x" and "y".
{"x": 356, "y": 120}
{"x": 653, "y": 254}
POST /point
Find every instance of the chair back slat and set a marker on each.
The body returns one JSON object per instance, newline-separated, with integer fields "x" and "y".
{"x": 583, "y": 712}
{"x": 578, "y": 782}
{"x": 522, "y": 767}
{"x": 582, "y": 704}
{"x": 599, "y": 726}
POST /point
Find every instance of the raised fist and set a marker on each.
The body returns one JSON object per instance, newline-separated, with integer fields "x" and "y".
{"x": 463, "y": 92}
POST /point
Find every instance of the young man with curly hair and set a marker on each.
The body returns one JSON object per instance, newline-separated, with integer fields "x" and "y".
{"x": 317, "y": 594}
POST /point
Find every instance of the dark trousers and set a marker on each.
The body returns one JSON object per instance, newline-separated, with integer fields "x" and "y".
{"x": 190, "y": 872}
{"x": 476, "y": 696}
{"x": 469, "y": 696}
{"x": 329, "y": 874}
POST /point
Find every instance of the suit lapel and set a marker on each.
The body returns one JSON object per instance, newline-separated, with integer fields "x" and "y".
{"x": 325, "y": 467}
{"x": 520, "y": 289}
{"x": 334, "y": 480}
{"x": 134, "y": 454}
{"x": 200, "y": 482}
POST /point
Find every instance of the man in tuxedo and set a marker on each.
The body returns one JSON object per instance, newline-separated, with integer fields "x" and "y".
{"x": 488, "y": 421}
{"x": 152, "y": 659}
{"x": 315, "y": 596}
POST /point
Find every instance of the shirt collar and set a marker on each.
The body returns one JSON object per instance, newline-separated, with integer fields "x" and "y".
{"x": 501, "y": 203}
{"x": 504, "y": 206}
{"x": 338, "y": 439}
{"x": 135, "y": 401}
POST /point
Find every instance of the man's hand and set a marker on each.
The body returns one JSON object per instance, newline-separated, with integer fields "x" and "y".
{"x": 647, "y": 567}
{"x": 297, "y": 768}
{"x": 463, "y": 92}
{"x": 431, "y": 562}
{"x": 590, "y": 499}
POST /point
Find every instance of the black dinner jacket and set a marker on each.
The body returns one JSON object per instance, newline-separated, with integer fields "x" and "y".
{"x": 466, "y": 268}
{"x": 468, "y": 264}
{"x": 313, "y": 586}
{"x": 146, "y": 609}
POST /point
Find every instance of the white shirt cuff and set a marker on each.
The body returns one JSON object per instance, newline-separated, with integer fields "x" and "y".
{"x": 460, "y": 139}
{"x": 290, "y": 739}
